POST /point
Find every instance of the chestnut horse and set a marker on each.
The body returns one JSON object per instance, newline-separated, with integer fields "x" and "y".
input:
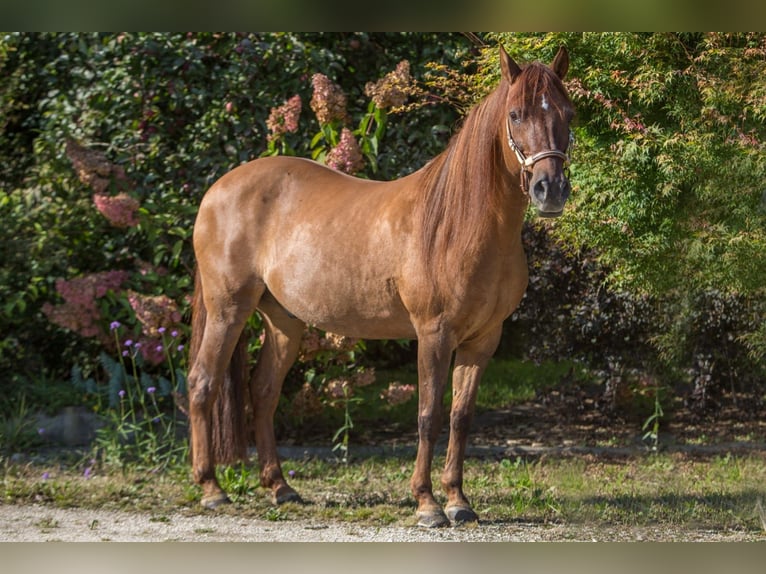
{"x": 435, "y": 255}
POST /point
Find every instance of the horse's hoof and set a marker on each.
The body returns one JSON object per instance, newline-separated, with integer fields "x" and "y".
{"x": 461, "y": 514}
{"x": 286, "y": 494}
{"x": 432, "y": 519}
{"x": 213, "y": 502}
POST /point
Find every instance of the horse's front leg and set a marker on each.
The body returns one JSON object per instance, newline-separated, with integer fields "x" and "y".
{"x": 433, "y": 364}
{"x": 470, "y": 361}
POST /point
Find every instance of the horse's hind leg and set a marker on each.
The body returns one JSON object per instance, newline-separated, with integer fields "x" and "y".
{"x": 225, "y": 319}
{"x": 280, "y": 348}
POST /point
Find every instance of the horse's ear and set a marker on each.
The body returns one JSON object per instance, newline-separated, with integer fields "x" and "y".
{"x": 508, "y": 68}
{"x": 560, "y": 64}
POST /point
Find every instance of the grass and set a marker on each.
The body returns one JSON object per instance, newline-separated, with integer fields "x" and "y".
{"x": 714, "y": 492}
{"x": 718, "y": 493}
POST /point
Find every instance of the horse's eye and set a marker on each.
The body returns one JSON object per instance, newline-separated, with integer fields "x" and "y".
{"x": 515, "y": 118}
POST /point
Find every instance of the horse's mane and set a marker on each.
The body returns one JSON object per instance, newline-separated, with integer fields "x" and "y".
{"x": 460, "y": 196}
{"x": 462, "y": 191}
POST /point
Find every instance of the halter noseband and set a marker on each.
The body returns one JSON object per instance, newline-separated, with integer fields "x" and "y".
{"x": 527, "y": 163}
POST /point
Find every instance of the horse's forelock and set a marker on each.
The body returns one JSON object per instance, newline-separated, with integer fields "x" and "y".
{"x": 537, "y": 80}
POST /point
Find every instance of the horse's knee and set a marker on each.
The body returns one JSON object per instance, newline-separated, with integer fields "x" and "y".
{"x": 429, "y": 425}
{"x": 460, "y": 422}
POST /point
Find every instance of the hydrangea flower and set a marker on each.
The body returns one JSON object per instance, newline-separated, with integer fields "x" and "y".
{"x": 328, "y": 101}
{"x": 284, "y": 119}
{"x": 392, "y": 90}
{"x": 121, "y": 209}
{"x": 346, "y": 156}
{"x": 79, "y": 312}
{"x": 397, "y": 393}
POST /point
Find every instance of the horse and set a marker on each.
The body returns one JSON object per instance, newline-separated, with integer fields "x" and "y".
{"x": 435, "y": 256}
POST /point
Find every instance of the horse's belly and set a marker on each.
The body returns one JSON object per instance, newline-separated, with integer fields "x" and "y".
{"x": 343, "y": 304}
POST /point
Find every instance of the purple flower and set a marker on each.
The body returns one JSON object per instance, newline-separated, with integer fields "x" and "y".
{"x": 41, "y": 431}
{"x": 114, "y": 325}
{"x": 128, "y": 343}
{"x": 159, "y": 348}
{"x": 46, "y": 475}
{"x": 291, "y": 473}
{"x": 151, "y": 390}
{"x": 125, "y": 353}
{"x": 122, "y": 393}
{"x": 174, "y": 333}
{"x": 161, "y": 330}
{"x": 180, "y": 347}
{"x": 88, "y": 472}
{"x": 138, "y": 345}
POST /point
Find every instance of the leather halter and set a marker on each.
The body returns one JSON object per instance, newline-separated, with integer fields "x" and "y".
{"x": 527, "y": 163}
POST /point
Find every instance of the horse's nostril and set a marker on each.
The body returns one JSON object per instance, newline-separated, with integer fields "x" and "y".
{"x": 541, "y": 189}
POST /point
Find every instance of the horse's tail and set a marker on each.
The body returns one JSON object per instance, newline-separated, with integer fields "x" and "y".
{"x": 229, "y": 427}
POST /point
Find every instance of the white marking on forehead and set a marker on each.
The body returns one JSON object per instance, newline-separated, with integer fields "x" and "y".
{"x": 545, "y": 103}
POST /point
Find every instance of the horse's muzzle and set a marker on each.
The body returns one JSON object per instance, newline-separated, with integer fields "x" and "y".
{"x": 549, "y": 197}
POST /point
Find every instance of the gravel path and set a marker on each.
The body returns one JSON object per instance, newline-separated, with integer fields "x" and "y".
{"x": 36, "y": 523}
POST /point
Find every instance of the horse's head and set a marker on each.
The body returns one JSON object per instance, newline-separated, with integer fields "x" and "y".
{"x": 537, "y": 129}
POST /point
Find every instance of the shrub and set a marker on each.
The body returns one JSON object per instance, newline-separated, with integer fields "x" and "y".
{"x": 110, "y": 140}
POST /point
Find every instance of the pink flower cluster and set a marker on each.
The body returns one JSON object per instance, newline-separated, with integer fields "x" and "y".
{"x": 313, "y": 343}
{"x": 328, "y": 100}
{"x": 346, "y": 156}
{"x": 154, "y": 312}
{"x": 397, "y": 393}
{"x": 284, "y": 119}
{"x": 79, "y": 311}
{"x": 392, "y": 90}
{"x": 99, "y": 173}
{"x": 337, "y": 389}
{"x": 93, "y": 168}
{"x": 119, "y": 209}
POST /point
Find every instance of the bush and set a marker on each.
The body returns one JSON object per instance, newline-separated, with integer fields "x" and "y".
{"x": 109, "y": 142}
{"x": 698, "y": 347}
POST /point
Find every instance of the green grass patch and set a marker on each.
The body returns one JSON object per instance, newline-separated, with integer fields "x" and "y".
{"x": 509, "y": 381}
{"x": 717, "y": 493}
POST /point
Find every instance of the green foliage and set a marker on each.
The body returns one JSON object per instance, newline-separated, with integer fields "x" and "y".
{"x": 668, "y": 208}
{"x": 669, "y": 165}
{"x": 17, "y": 431}
{"x": 143, "y": 427}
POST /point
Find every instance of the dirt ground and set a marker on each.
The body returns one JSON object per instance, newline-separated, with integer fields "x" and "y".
{"x": 46, "y": 524}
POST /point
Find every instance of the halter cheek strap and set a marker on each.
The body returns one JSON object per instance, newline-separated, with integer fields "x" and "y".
{"x": 527, "y": 163}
